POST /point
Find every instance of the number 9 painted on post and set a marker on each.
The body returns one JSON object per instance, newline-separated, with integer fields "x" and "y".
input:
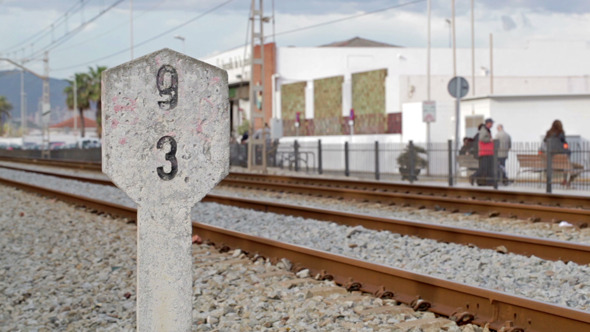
{"x": 167, "y": 83}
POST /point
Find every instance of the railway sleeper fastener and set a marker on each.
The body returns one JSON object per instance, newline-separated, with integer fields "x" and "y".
{"x": 382, "y": 293}
{"x": 352, "y": 286}
{"x": 462, "y": 318}
{"x": 224, "y": 248}
{"x": 535, "y": 219}
{"x": 297, "y": 267}
{"x": 256, "y": 257}
{"x": 324, "y": 275}
{"x": 509, "y": 327}
{"x": 419, "y": 304}
{"x": 493, "y": 214}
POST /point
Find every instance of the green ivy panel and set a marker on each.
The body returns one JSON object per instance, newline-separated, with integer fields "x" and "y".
{"x": 368, "y": 92}
{"x": 327, "y": 97}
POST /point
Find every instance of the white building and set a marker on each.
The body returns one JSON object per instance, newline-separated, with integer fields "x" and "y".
{"x": 541, "y": 69}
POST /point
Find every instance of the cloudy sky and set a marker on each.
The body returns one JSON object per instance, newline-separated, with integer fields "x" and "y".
{"x": 82, "y": 33}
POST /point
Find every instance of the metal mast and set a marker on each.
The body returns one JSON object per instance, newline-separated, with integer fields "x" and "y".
{"x": 257, "y": 146}
{"x": 46, "y": 108}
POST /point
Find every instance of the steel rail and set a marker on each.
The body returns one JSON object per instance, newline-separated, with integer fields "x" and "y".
{"x": 573, "y": 201}
{"x": 76, "y": 164}
{"x": 579, "y": 217}
{"x": 521, "y": 245}
{"x": 537, "y": 200}
{"x": 459, "y": 302}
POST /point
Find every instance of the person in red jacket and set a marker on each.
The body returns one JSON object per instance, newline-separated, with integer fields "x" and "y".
{"x": 485, "y": 173}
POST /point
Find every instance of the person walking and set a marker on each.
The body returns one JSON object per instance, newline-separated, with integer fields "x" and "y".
{"x": 555, "y": 143}
{"x": 504, "y": 145}
{"x": 484, "y": 174}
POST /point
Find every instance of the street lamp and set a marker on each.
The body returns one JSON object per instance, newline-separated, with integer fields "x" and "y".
{"x": 181, "y": 38}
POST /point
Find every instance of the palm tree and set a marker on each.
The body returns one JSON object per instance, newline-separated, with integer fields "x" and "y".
{"x": 83, "y": 91}
{"x": 96, "y": 93}
{"x": 5, "y": 108}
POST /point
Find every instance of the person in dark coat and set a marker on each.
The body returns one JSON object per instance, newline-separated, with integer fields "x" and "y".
{"x": 485, "y": 173}
{"x": 467, "y": 147}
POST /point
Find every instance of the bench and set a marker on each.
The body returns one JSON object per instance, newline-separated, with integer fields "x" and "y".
{"x": 537, "y": 163}
{"x": 468, "y": 162}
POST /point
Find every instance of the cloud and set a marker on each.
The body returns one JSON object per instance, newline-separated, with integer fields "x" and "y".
{"x": 525, "y": 21}
{"x": 508, "y": 23}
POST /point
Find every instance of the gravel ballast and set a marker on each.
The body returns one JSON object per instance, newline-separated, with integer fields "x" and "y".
{"x": 65, "y": 269}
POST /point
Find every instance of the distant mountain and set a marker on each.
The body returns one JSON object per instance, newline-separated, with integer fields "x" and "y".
{"x": 10, "y": 88}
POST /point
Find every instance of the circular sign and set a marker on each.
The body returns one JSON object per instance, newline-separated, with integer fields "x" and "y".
{"x": 458, "y": 87}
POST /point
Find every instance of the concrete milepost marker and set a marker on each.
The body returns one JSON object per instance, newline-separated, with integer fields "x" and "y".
{"x": 166, "y": 144}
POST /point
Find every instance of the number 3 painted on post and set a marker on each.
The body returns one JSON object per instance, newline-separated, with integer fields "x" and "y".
{"x": 170, "y": 156}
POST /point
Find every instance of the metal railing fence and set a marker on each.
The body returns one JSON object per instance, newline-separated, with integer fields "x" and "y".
{"x": 526, "y": 164}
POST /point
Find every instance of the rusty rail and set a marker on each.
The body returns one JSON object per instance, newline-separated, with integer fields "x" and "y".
{"x": 76, "y": 164}
{"x": 541, "y": 199}
{"x": 522, "y": 245}
{"x": 579, "y": 217}
{"x": 420, "y": 291}
{"x": 458, "y": 301}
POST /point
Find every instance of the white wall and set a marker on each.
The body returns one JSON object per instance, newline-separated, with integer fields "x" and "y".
{"x": 414, "y": 129}
{"x": 527, "y": 119}
{"x": 539, "y": 69}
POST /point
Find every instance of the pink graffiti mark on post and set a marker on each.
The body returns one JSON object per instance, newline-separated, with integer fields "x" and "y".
{"x": 208, "y": 101}
{"x": 129, "y": 105}
{"x": 123, "y": 141}
{"x": 214, "y": 80}
{"x": 114, "y": 123}
{"x": 199, "y": 131}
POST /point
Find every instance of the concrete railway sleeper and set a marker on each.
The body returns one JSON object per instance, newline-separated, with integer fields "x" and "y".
{"x": 497, "y": 310}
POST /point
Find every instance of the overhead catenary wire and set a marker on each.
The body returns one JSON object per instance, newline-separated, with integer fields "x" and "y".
{"x": 125, "y": 23}
{"x": 49, "y": 29}
{"x": 348, "y": 17}
{"x": 147, "y": 40}
{"x": 333, "y": 21}
{"x": 72, "y": 33}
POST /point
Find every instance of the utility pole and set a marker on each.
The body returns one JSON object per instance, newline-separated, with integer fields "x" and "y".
{"x": 131, "y": 27}
{"x": 46, "y": 108}
{"x": 472, "y": 50}
{"x": 23, "y": 117}
{"x": 76, "y": 107}
{"x": 257, "y": 89}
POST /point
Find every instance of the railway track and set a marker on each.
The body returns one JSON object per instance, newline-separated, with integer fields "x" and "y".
{"x": 522, "y": 245}
{"x": 521, "y": 205}
{"x": 531, "y": 206}
{"x": 459, "y": 302}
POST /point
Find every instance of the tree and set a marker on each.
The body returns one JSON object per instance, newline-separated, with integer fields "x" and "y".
{"x": 5, "y": 108}
{"x": 83, "y": 92}
{"x": 96, "y": 93}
